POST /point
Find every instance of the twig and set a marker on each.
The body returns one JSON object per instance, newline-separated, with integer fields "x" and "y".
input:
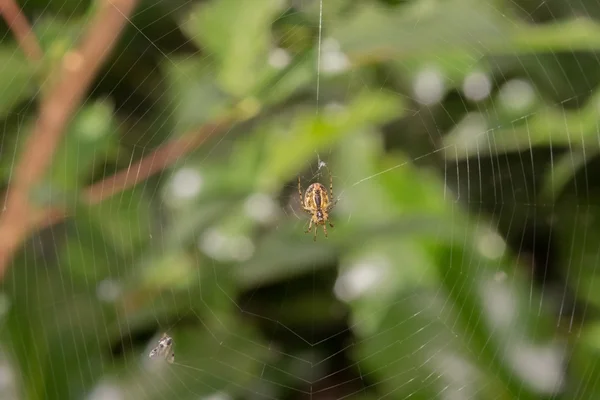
{"x": 76, "y": 73}
{"x": 18, "y": 24}
{"x": 155, "y": 162}
{"x": 152, "y": 164}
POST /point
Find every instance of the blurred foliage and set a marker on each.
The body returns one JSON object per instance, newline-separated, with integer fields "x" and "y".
{"x": 461, "y": 137}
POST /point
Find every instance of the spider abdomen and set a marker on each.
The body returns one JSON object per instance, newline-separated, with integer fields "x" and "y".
{"x": 316, "y": 198}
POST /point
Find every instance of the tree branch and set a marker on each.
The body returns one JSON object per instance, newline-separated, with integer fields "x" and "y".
{"x": 76, "y": 73}
{"x": 18, "y": 24}
{"x": 148, "y": 166}
{"x": 155, "y": 162}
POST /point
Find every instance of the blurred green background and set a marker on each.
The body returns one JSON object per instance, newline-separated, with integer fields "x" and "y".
{"x": 462, "y": 138}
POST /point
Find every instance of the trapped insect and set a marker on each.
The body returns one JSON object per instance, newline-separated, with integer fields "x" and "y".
{"x": 316, "y": 201}
{"x": 164, "y": 349}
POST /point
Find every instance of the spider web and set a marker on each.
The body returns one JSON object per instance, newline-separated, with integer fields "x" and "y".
{"x": 461, "y": 137}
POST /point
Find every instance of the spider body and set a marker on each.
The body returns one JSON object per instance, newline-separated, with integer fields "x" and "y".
{"x": 164, "y": 349}
{"x": 318, "y": 203}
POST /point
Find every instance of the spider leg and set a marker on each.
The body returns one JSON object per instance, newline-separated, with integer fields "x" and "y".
{"x": 330, "y": 224}
{"x": 309, "y": 226}
{"x": 308, "y": 210}
{"x": 334, "y": 201}
{"x": 316, "y": 229}
{"x": 300, "y": 191}
{"x": 331, "y": 185}
{"x": 325, "y": 229}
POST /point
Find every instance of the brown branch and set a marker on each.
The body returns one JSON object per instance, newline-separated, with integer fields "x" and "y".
{"x": 76, "y": 73}
{"x": 148, "y": 166}
{"x": 155, "y": 162}
{"x": 17, "y": 22}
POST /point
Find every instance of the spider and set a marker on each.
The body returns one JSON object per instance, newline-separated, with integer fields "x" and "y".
{"x": 164, "y": 349}
{"x": 316, "y": 201}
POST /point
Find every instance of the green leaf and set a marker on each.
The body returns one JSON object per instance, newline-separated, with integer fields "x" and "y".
{"x": 90, "y": 137}
{"x": 421, "y": 303}
{"x": 57, "y": 35}
{"x": 87, "y": 144}
{"x": 61, "y": 338}
{"x": 563, "y": 171}
{"x": 574, "y": 226}
{"x": 376, "y": 32}
{"x": 585, "y": 358}
{"x": 551, "y": 125}
{"x": 227, "y": 357}
{"x": 195, "y": 96}
{"x": 418, "y": 353}
{"x": 54, "y": 332}
{"x": 289, "y": 147}
{"x": 474, "y": 315}
{"x": 498, "y": 318}
{"x": 124, "y": 219}
{"x": 17, "y": 78}
{"x": 237, "y": 33}
{"x": 167, "y": 271}
{"x": 402, "y": 190}
{"x": 87, "y": 256}
{"x": 277, "y": 85}
{"x": 15, "y": 129}
{"x": 283, "y": 255}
